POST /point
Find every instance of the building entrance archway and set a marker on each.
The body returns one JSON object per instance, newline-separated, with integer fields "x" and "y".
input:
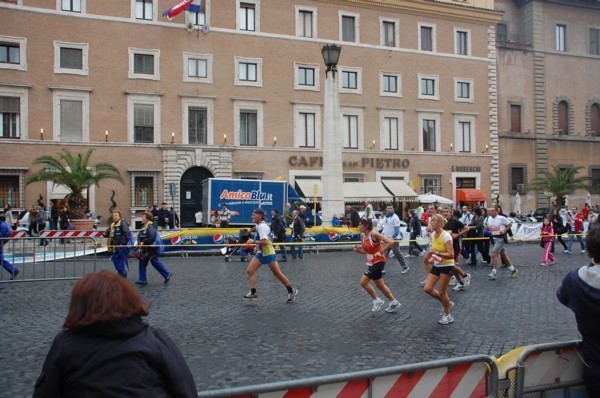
{"x": 191, "y": 194}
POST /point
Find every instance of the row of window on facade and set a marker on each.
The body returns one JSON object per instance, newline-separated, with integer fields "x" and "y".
{"x": 563, "y": 115}
{"x": 72, "y": 58}
{"x": 72, "y": 114}
{"x": 560, "y": 38}
{"x": 248, "y": 19}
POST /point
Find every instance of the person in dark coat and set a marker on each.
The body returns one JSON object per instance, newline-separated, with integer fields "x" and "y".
{"x": 580, "y": 291}
{"x": 147, "y": 253}
{"x": 278, "y": 228}
{"x": 353, "y": 216}
{"x": 163, "y": 217}
{"x": 118, "y": 238}
{"x": 107, "y": 350}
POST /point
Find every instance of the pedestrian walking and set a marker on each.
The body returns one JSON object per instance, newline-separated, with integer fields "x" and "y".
{"x": 456, "y": 229}
{"x": 225, "y": 216}
{"x": 559, "y": 228}
{"x": 546, "y": 242}
{"x": 40, "y": 219}
{"x": 374, "y": 245}
{"x": 477, "y": 240}
{"x": 390, "y": 228}
{"x": 415, "y": 232}
{"x": 576, "y": 224}
{"x": 498, "y": 226}
{"x": 298, "y": 229}
{"x": 265, "y": 257}
{"x": 5, "y": 232}
{"x": 118, "y": 238}
{"x": 441, "y": 259}
{"x": 107, "y": 350}
{"x": 148, "y": 252}
{"x": 279, "y": 232}
{"x": 580, "y": 291}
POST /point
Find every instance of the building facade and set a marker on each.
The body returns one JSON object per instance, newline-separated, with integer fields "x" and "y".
{"x": 548, "y": 95}
{"x": 237, "y": 91}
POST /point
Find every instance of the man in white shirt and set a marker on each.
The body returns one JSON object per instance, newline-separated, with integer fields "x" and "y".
{"x": 498, "y": 225}
{"x": 390, "y": 228}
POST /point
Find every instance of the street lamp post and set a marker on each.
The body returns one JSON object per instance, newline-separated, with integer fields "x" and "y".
{"x": 332, "y": 180}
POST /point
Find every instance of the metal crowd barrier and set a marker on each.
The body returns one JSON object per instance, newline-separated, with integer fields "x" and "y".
{"x": 471, "y": 376}
{"x": 546, "y": 370}
{"x": 63, "y": 257}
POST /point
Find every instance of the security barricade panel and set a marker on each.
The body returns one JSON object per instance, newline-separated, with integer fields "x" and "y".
{"x": 474, "y": 376}
{"x": 550, "y": 370}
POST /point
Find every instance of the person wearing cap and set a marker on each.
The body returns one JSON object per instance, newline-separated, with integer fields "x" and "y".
{"x": 265, "y": 256}
{"x": 163, "y": 216}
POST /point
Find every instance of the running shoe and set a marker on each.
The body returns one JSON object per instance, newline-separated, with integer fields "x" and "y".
{"x": 405, "y": 270}
{"x": 453, "y": 281}
{"x": 446, "y": 319}
{"x": 14, "y": 275}
{"x": 467, "y": 280}
{"x": 544, "y": 264}
{"x": 392, "y": 306}
{"x": 251, "y": 296}
{"x": 514, "y": 273}
{"x": 141, "y": 282}
{"x": 377, "y": 304}
{"x": 583, "y": 251}
{"x": 567, "y": 251}
{"x": 459, "y": 287}
{"x": 422, "y": 283}
{"x": 168, "y": 277}
{"x": 292, "y": 295}
{"x": 492, "y": 276}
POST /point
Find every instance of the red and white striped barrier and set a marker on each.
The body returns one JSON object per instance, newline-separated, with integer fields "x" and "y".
{"x": 60, "y": 234}
{"x": 71, "y": 234}
{"x": 466, "y": 380}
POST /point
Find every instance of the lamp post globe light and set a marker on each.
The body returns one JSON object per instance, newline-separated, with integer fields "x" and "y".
{"x": 332, "y": 179}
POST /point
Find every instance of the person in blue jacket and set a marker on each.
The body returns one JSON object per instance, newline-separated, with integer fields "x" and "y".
{"x": 5, "y": 232}
{"x": 118, "y": 239}
{"x": 147, "y": 253}
{"x": 580, "y": 291}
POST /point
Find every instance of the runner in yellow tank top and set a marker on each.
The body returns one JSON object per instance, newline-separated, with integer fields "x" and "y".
{"x": 441, "y": 256}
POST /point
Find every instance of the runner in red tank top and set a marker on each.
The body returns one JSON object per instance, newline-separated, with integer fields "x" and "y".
{"x": 372, "y": 246}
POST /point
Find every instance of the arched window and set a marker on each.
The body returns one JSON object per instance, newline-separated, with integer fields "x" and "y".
{"x": 563, "y": 117}
{"x": 595, "y": 119}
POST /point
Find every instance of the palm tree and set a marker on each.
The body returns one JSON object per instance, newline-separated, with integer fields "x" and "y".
{"x": 560, "y": 182}
{"x": 76, "y": 174}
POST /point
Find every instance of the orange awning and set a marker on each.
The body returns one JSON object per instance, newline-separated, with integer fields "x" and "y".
{"x": 470, "y": 195}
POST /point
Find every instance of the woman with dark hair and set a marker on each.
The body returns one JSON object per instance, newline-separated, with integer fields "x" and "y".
{"x": 580, "y": 291}
{"x": 374, "y": 249}
{"x": 106, "y": 350}
{"x": 147, "y": 252}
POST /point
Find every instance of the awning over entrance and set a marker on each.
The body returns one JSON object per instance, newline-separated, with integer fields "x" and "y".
{"x": 401, "y": 190}
{"x": 353, "y": 191}
{"x": 470, "y": 195}
{"x": 360, "y": 191}
{"x": 307, "y": 185}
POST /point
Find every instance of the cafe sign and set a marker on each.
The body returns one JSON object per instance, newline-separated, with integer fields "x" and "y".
{"x": 366, "y": 162}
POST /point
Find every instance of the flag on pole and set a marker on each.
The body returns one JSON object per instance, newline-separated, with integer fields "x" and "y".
{"x": 196, "y": 6}
{"x": 176, "y": 9}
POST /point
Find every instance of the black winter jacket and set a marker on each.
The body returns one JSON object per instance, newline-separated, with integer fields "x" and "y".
{"x": 126, "y": 358}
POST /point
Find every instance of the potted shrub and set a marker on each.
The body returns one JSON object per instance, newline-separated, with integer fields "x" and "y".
{"x": 77, "y": 175}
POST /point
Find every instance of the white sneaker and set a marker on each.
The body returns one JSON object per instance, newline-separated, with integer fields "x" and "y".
{"x": 583, "y": 251}
{"x": 377, "y": 304}
{"x": 453, "y": 281}
{"x": 405, "y": 270}
{"x": 467, "y": 280}
{"x": 446, "y": 319}
{"x": 392, "y": 255}
{"x": 422, "y": 283}
{"x": 459, "y": 287}
{"x": 392, "y": 306}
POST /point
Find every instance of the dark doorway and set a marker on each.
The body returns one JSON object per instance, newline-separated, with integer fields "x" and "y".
{"x": 191, "y": 195}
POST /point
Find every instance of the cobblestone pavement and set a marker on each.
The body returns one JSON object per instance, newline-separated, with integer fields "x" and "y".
{"x": 330, "y": 329}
